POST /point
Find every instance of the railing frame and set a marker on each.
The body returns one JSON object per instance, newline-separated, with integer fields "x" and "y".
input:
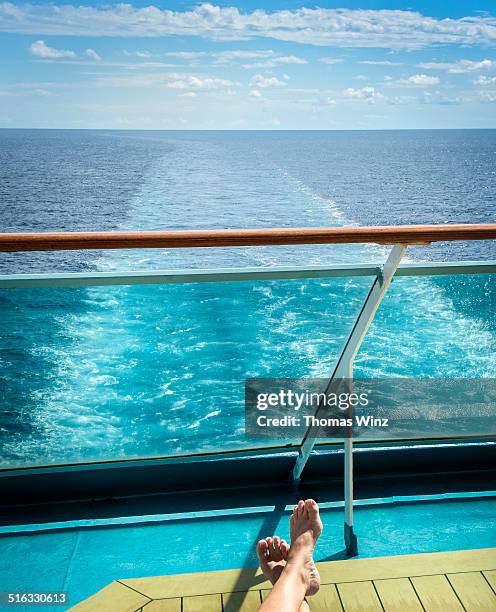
{"x": 400, "y": 234}
{"x": 401, "y": 237}
{"x": 228, "y": 275}
{"x": 344, "y": 369}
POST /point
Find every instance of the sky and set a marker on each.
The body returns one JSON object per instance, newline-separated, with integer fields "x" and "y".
{"x": 248, "y": 64}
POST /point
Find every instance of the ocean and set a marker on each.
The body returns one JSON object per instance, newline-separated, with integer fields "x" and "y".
{"x": 112, "y": 372}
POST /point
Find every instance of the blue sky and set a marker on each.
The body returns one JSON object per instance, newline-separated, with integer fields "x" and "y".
{"x": 248, "y": 65}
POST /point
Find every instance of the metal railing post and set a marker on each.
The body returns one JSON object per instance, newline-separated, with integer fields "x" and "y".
{"x": 344, "y": 369}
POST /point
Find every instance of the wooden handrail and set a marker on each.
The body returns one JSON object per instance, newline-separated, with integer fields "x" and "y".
{"x": 402, "y": 234}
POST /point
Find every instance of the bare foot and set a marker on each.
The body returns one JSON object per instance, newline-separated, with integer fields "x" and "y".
{"x": 272, "y": 554}
{"x": 305, "y": 530}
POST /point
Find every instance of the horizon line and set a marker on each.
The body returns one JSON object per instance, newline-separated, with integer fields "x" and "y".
{"x": 137, "y": 129}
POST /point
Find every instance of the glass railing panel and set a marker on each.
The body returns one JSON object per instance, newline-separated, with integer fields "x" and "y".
{"x": 103, "y": 373}
{"x": 437, "y": 327}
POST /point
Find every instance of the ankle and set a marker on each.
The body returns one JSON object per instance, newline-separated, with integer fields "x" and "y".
{"x": 296, "y": 568}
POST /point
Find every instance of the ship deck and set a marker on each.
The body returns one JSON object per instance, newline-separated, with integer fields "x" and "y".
{"x": 455, "y": 580}
{"x": 77, "y": 522}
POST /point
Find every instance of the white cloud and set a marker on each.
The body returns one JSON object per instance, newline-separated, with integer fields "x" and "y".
{"x": 380, "y": 63}
{"x": 330, "y": 61}
{"x": 484, "y": 80}
{"x": 272, "y": 62}
{"x": 40, "y": 49}
{"x": 401, "y": 100}
{"x": 261, "y": 81}
{"x": 188, "y": 55}
{"x": 289, "y": 59}
{"x": 438, "y": 97}
{"x": 224, "y": 57}
{"x": 262, "y": 58}
{"x": 393, "y": 29}
{"x": 422, "y": 80}
{"x": 169, "y": 80}
{"x": 254, "y": 93}
{"x": 370, "y": 94}
{"x": 460, "y": 67}
{"x": 141, "y": 54}
{"x": 487, "y": 96}
{"x": 148, "y": 65}
{"x": 192, "y": 81}
{"x": 188, "y": 94}
{"x": 135, "y": 80}
{"x": 93, "y": 55}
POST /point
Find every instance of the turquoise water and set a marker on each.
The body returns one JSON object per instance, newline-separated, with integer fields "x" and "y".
{"x": 102, "y": 373}
{"x": 81, "y": 561}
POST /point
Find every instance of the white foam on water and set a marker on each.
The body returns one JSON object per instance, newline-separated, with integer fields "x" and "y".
{"x": 104, "y": 400}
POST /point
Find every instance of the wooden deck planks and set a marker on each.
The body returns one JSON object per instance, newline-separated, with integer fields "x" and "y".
{"x": 436, "y": 594}
{"x": 398, "y": 594}
{"x": 490, "y": 576}
{"x": 247, "y": 601}
{"x": 473, "y": 591}
{"x": 377, "y": 568}
{"x": 359, "y": 597}
{"x": 326, "y": 600}
{"x": 115, "y": 596}
{"x": 264, "y": 593}
{"x": 402, "y": 566}
{"x": 163, "y": 605}
{"x": 200, "y": 583}
{"x": 202, "y": 603}
{"x": 451, "y": 581}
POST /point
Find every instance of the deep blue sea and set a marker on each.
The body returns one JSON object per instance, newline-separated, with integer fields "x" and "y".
{"x": 108, "y": 372}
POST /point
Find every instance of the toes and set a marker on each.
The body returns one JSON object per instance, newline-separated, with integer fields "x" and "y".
{"x": 312, "y": 508}
{"x": 306, "y": 510}
{"x": 284, "y": 546}
{"x": 301, "y": 507}
{"x": 262, "y": 550}
{"x": 273, "y": 548}
{"x": 270, "y": 548}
